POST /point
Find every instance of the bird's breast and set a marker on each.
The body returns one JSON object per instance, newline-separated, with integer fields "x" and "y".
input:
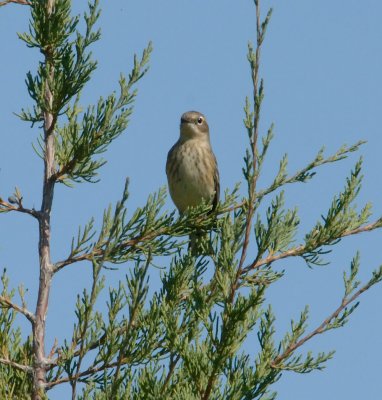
{"x": 190, "y": 169}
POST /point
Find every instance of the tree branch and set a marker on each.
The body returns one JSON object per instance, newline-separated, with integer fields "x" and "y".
{"x": 25, "y": 368}
{"x": 22, "y": 2}
{"x": 46, "y": 268}
{"x": 307, "y": 172}
{"x": 92, "y": 346}
{"x": 253, "y": 173}
{"x": 254, "y": 138}
{"x": 90, "y": 371}
{"x": 301, "y": 249}
{"x": 6, "y": 206}
{"x": 100, "y": 252}
{"x": 6, "y": 302}
{"x": 171, "y": 370}
{"x": 321, "y": 328}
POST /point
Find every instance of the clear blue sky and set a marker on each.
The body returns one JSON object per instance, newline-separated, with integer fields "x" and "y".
{"x": 322, "y": 64}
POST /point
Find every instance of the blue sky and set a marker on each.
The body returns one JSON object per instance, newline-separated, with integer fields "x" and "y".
{"x": 321, "y": 65}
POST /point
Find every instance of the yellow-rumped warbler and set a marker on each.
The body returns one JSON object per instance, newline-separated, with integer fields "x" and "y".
{"x": 191, "y": 168}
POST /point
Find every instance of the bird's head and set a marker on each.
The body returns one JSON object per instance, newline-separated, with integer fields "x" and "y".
{"x": 193, "y": 125}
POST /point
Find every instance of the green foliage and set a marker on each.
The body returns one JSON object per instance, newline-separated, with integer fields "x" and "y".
{"x": 342, "y": 216}
{"x": 66, "y": 69}
{"x": 69, "y": 62}
{"x": 280, "y": 230}
{"x": 13, "y": 384}
{"x": 79, "y": 141}
{"x": 194, "y": 336}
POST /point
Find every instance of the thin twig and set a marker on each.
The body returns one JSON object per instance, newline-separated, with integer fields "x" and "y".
{"x": 340, "y": 155}
{"x": 9, "y": 207}
{"x": 92, "y": 346}
{"x": 25, "y": 368}
{"x": 295, "y": 251}
{"x": 99, "y": 252}
{"x": 89, "y": 371}
{"x": 131, "y": 324}
{"x": 6, "y": 302}
{"x": 256, "y": 119}
{"x": 321, "y": 328}
{"x": 301, "y": 249}
{"x": 173, "y": 362}
{"x": 97, "y": 266}
{"x": 82, "y": 349}
{"x": 22, "y": 2}
{"x": 251, "y": 189}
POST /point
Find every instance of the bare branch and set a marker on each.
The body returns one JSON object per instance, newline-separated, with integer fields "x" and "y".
{"x": 6, "y": 302}
{"x": 22, "y": 2}
{"x": 46, "y": 274}
{"x": 6, "y": 207}
{"x": 25, "y": 368}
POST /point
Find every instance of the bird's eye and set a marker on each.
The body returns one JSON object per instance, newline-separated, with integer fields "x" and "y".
{"x": 200, "y": 120}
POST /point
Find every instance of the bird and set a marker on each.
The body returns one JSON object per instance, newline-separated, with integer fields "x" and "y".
{"x": 192, "y": 170}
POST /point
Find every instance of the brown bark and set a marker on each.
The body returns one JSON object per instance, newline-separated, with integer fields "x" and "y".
{"x": 46, "y": 270}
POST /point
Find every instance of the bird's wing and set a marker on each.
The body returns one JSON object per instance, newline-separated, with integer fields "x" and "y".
{"x": 170, "y": 162}
{"x": 216, "y": 198}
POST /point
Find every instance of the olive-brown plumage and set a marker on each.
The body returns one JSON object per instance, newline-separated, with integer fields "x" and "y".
{"x": 191, "y": 168}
